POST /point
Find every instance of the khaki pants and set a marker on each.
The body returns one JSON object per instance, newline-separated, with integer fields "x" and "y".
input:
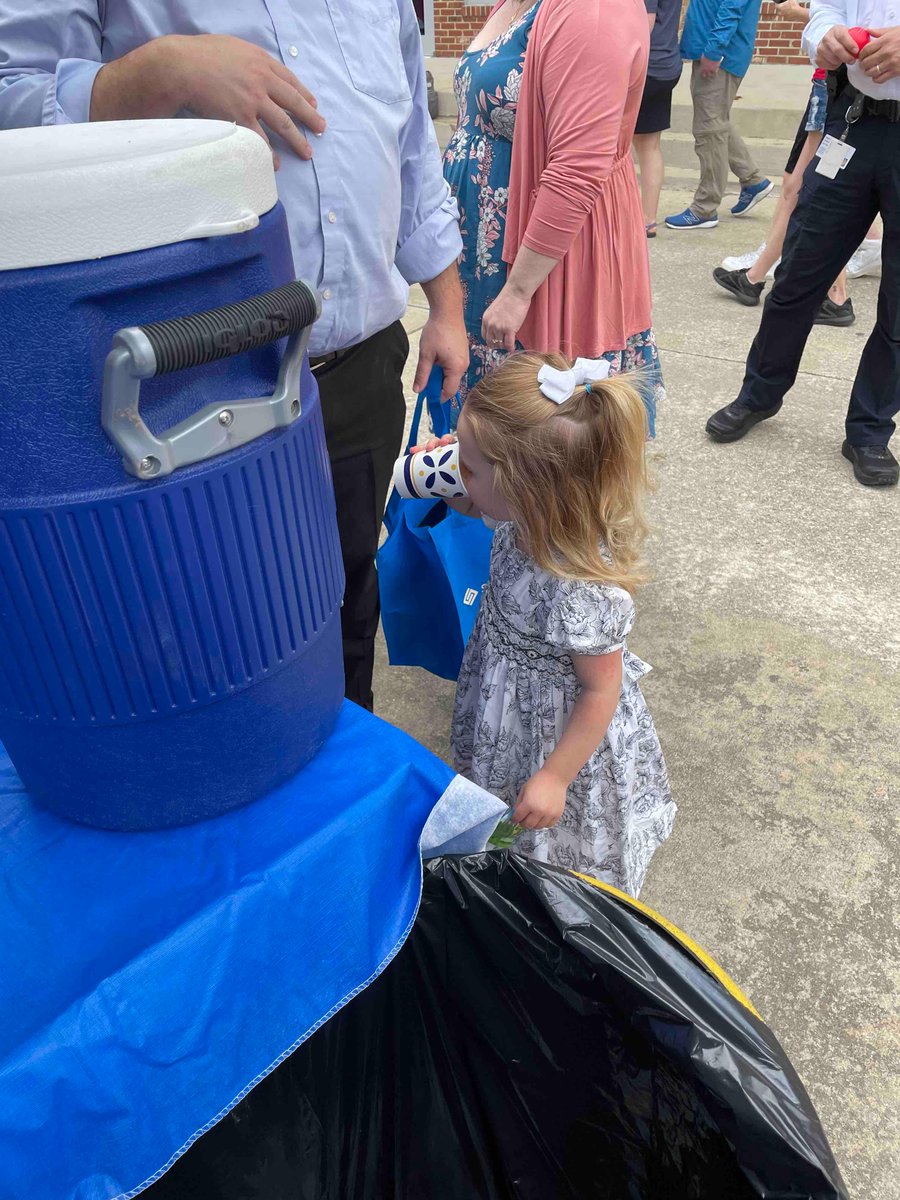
{"x": 718, "y": 145}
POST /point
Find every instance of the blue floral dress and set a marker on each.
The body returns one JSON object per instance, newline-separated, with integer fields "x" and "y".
{"x": 477, "y": 165}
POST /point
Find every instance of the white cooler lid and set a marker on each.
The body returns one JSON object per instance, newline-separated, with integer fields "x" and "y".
{"x": 69, "y": 193}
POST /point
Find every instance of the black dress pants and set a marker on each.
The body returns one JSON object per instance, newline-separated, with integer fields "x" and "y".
{"x": 364, "y": 412}
{"x": 831, "y": 219}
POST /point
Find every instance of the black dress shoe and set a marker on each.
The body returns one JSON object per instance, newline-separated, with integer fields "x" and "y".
{"x": 730, "y": 424}
{"x": 740, "y": 286}
{"x": 839, "y": 315}
{"x": 873, "y": 466}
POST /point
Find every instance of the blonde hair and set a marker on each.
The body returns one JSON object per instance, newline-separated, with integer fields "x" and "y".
{"x": 573, "y": 474}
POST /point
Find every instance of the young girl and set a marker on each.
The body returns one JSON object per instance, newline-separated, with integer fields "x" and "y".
{"x": 549, "y": 715}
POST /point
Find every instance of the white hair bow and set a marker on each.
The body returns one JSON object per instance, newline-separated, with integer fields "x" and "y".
{"x": 559, "y": 386}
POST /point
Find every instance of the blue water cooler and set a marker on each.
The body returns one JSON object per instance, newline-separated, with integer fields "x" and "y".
{"x": 170, "y": 573}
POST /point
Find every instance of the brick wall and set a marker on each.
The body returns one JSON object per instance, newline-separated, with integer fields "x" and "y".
{"x": 776, "y": 40}
{"x": 456, "y": 23}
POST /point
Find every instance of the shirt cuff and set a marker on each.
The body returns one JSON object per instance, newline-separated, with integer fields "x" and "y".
{"x": 74, "y": 85}
{"x": 809, "y": 42}
{"x": 433, "y": 246}
{"x": 547, "y": 239}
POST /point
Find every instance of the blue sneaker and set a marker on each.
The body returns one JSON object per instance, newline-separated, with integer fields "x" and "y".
{"x": 751, "y": 196}
{"x": 689, "y": 220}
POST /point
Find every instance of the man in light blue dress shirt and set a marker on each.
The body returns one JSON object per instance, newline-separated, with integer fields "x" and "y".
{"x": 337, "y": 87}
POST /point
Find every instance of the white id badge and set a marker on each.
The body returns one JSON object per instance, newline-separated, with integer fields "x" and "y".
{"x": 826, "y": 143}
{"x": 833, "y": 156}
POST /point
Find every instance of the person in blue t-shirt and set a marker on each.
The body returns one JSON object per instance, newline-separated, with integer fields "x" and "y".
{"x": 718, "y": 39}
{"x": 663, "y": 72}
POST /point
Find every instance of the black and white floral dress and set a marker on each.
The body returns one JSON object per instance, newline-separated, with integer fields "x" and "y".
{"x": 517, "y": 688}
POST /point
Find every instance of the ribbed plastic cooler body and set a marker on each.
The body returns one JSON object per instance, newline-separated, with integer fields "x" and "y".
{"x": 169, "y": 649}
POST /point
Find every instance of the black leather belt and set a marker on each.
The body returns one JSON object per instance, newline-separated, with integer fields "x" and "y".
{"x": 317, "y": 361}
{"x": 320, "y": 360}
{"x": 889, "y": 109}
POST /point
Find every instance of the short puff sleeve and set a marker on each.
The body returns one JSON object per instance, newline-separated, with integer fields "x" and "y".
{"x": 590, "y": 619}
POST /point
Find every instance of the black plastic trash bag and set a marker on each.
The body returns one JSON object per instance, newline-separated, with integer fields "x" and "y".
{"x": 538, "y": 1038}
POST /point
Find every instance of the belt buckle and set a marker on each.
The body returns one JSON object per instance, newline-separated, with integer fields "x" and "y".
{"x": 323, "y": 360}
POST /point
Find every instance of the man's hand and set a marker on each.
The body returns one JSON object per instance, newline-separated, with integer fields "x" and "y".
{"x": 215, "y": 76}
{"x": 229, "y": 79}
{"x": 542, "y": 801}
{"x": 791, "y": 11}
{"x": 443, "y": 342}
{"x": 503, "y": 319}
{"x": 881, "y": 58}
{"x": 836, "y": 47}
{"x": 708, "y": 67}
{"x": 443, "y": 339}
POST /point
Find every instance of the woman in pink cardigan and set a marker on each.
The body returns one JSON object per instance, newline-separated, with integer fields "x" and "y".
{"x": 554, "y": 248}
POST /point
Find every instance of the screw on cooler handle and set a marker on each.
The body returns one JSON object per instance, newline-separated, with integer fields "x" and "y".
{"x": 144, "y": 351}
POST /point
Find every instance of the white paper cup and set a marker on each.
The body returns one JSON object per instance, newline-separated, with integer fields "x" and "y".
{"x": 430, "y": 473}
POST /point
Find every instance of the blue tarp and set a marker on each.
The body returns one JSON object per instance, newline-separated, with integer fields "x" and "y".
{"x": 150, "y": 979}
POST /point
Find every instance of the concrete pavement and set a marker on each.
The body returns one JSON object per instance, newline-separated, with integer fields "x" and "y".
{"x": 773, "y": 623}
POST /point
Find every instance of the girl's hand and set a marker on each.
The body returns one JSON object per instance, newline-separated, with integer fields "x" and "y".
{"x": 503, "y": 319}
{"x": 432, "y": 444}
{"x": 542, "y": 801}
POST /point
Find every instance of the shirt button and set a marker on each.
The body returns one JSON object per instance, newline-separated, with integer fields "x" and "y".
{"x": 332, "y": 217}
{"x": 326, "y": 294}
{"x": 293, "y": 51}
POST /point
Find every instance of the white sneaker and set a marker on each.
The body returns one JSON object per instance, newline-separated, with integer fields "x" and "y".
{"x": 866, "y": 260}
{"x": 742, "y": 262}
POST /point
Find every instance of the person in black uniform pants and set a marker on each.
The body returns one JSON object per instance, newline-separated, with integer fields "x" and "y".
{"x": 832, "y": 217}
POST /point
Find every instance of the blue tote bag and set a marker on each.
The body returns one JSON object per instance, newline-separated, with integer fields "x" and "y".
{"x": 431, "y": 568}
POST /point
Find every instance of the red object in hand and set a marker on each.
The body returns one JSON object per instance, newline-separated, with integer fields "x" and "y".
{"x": 862, "y": 37}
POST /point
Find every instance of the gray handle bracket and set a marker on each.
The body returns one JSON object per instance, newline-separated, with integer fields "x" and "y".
{"x": 213, "y": 430}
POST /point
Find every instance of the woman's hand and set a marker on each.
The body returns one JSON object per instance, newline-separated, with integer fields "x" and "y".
{"x": 542, "y": 801}
{"x": 503, "y": 320}
{"x": 432, "y": 444}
